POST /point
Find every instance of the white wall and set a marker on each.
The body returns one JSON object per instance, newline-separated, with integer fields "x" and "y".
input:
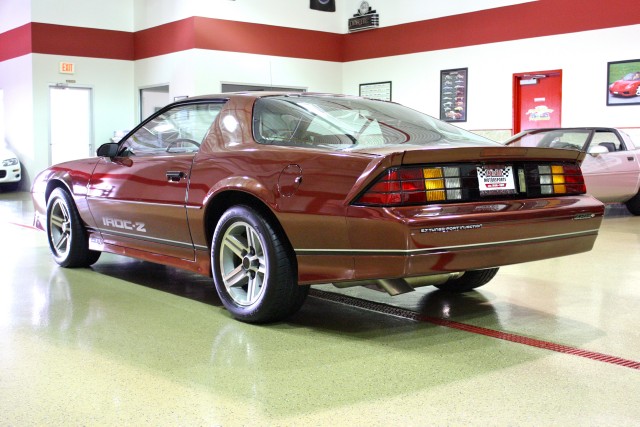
{"x": 395, "y": 12}
{"x": 283, "y": 13}
{"x": 297, "y": 14}
{"x": 15, "y": 81}
{"x": 206, "y": 70}
{"x": 113, "y": 96}
{"x": 25, "y": 82}
{"x": 14, "y": 14}
{"x": 582, "y": 56}
{"x": 109, "y": 15}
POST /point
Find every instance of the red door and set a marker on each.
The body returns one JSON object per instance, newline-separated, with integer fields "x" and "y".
{"x": 537, "y": 100}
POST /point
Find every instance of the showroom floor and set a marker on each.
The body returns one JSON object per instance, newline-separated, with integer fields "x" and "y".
{"x": 127, "y": 342}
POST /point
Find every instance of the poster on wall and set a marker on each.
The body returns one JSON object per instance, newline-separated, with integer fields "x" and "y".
{"x": 453, "y": 95}
{"x": 379, "y": 90}
{"x": 623, "y": 82}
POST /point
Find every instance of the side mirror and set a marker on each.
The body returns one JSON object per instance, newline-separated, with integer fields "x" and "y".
{"x": 110, "y": 149}
{"x": 596, "y": 150}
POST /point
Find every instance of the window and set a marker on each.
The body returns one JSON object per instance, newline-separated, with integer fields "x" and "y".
{"x": 607, "y": 139}
{"x": 342, "y": 123}
{"x": 178, "y": 130}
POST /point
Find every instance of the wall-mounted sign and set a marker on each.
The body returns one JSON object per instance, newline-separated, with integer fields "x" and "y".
{"x": 323, "y": 5}
{"x": 67, "y": 68}
{"x": 623, "y": 82}
{"x": 453, "y": 95}
{"x": 379, "y": 90}
{"x": 365, "y": 19}
{"x": 539, "y": 113}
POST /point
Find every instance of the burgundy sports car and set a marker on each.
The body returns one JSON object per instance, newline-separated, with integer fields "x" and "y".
{"x": 629, "y": 85}
{"x": 269, "y": 193}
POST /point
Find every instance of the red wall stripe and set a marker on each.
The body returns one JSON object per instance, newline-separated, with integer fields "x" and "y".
{"x": 164, "y": 39}
{"x": 15, "y": 42}
{"x": 217, "y": 34}
{"x": 78, "y": 41}
{"x": 527, "y": 20}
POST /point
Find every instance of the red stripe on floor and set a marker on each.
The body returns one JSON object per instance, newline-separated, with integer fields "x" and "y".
{"x": 519, "y": 339}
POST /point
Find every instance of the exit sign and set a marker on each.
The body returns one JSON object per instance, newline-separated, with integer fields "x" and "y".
{"x": 67, "y": 68}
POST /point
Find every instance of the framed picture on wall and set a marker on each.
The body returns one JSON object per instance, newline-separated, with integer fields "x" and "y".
{"x": 378, "y": 90}
{"x": 453, "y": 95}
{"x": 623, "y": 82}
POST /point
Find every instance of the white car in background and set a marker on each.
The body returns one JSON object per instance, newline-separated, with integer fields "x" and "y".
{"x": 10, "y": 171}
{"x": 611, "y": 165}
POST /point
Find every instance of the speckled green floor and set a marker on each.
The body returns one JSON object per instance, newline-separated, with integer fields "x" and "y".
{"x": 133, "y": 343}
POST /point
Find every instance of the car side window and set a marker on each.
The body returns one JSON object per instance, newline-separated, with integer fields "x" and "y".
{"x": 178, "y": 130}
{"x": 609, "y": 140}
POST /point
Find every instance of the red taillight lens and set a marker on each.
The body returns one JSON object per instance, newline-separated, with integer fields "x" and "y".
{"x": 459, "y": 182}
{"x": 561, "y": 179}
{"x": 413, "y": 186}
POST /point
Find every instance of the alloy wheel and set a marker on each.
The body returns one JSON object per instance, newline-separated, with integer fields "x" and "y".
{"x": 243, "y": 264}
{"x": 60, "y": 228}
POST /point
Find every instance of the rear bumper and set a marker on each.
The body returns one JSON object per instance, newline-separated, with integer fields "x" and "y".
{"x": 409, "y": 242}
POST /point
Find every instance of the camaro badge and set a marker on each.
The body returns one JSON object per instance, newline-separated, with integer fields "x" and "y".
{"x": 450, "y": 228}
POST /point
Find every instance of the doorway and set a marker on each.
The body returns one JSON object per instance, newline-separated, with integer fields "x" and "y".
{"x": 71, "y": 118}
{"x": 537, "y": 100}
{"x": 153, "y": 99}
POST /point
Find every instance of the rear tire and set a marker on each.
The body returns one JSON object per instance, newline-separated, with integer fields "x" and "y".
{"x": 66, "y": 234}
{"x": 633, "y": 204}
{"x": 253, "y": 270}
{"x": 469, "y": 281}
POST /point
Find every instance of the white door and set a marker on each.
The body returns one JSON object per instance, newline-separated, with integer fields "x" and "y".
{"x": 71, "y": 119}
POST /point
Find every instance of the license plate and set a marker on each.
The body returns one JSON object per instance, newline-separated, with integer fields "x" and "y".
{"x": 496, "y": 179}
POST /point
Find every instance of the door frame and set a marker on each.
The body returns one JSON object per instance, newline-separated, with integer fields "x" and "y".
{"x": 517, "y": 97}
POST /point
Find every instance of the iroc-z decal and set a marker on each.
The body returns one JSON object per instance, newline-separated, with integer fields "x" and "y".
{"x": 124, "y": 224}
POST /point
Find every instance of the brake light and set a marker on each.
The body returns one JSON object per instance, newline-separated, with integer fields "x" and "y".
{"x": 561, "y": 179}
{"x": 460, "y": 182}
{"x": 409, "y": 186}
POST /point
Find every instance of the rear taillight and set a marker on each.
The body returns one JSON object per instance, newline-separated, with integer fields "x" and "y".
{"x": 561, "y": 179}
{"x": 410, "y": 186}
{"x": 404, "y": 186}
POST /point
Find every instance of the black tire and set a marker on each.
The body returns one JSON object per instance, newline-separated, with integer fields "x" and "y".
{"x": 633, "y": 204}
{"x": 469, "y": 281}
{"x": 254, "y": 270}
{"x": 66, "y": 234}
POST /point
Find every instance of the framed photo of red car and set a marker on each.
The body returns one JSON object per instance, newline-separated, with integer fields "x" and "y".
{"x": 623, "y": 82}
{"x": 453, "y": 95}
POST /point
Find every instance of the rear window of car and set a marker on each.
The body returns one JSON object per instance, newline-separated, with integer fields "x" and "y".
{"x": 570, "y": 139}
{"x": 341, "y": 123}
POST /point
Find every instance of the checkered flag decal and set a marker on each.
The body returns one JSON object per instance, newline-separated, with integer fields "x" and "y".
{"x": 482, "y": 171}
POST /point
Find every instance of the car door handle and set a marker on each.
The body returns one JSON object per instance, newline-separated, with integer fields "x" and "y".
{"x": 630, "y": 159}
{"x": 175, "y": 176}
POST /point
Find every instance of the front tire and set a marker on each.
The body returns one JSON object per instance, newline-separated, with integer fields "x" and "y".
{"x": 469, "y": 281}
{"x": 66, "y": 234}
{"x": 254, "y": 271}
